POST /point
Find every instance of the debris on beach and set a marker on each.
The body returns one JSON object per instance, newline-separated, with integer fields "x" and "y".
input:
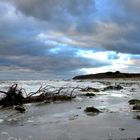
{"x": 15, "y": 96}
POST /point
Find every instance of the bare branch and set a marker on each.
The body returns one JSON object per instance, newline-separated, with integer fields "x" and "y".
{"x": 3, "y": 92}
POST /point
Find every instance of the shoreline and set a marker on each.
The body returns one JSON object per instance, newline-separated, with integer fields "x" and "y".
{"x": 68, "y": 121}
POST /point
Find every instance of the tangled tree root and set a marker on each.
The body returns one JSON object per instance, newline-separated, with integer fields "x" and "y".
{"x": 16, "y": 97}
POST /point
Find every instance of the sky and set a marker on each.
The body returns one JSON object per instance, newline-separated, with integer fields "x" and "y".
{"x": 59, "y": 39}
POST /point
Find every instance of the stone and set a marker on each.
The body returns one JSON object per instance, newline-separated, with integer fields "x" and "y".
{"x": 91, "y": 110}
{"x": 136, "y": 107}
{"x": 19, "y": 108}
{"x": 134, "y": 102}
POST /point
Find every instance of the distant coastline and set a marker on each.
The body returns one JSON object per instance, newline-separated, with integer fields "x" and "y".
{"x": 107, "y": 75}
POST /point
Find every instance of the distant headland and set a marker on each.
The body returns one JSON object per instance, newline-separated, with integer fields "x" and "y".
{"x": 110, "y": 75}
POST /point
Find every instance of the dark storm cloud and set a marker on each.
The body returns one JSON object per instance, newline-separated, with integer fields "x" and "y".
{"x": 42, "y": 37}
{"x": 47, "y": 9}
{"x": 60, "y": 14}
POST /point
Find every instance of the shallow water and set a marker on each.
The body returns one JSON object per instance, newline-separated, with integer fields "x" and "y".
{"x": 68, "y": 121}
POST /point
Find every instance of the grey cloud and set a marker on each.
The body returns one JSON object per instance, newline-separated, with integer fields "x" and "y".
{"x": 60, "y": 15}
{"x": 69, "y": 25}
{"x": 123, "y": 47}
{"x": 61, "y": 65}
{"x": 74, "y": 18}
{"x": 51, "y": 9}
{"x": 112, "y": 36}
{"x": 18, "y": 35}
{"x": 131, "y": 6}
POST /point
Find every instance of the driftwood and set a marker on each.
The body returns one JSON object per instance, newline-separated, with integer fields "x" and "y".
{"x": 48, "y": 93}
{"x": 16, "y": 96}
{"x": 13, "y": 96}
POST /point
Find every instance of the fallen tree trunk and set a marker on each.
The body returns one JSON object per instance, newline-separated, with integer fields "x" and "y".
{"x": 15, "y": 96}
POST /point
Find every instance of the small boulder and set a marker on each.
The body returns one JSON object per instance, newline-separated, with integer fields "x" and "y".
{"x": 90, "y": 89}
{"x": 90, "y": 94}
{"x": 136, "y": 107}
{"x": 91, "y": 110}
{"x": 122, "y": 129}
{"x": 20, "y": 108}
{"x": 138, "y": 117}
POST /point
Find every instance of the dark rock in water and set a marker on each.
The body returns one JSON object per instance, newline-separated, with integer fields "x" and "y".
{"x": 138, "y": 117}
{"x": 134, "y": 102}
{"x": 122, "y": 129}
{"x": 118, "y": 87}
{"x": 90, "y": 94}
{"x": 91, "y": 110}
{"x": 136, "y": 107}
{"x": 90, "y": 89}
{"x": 138, "y": 138}
{"x": 19, "y": 108}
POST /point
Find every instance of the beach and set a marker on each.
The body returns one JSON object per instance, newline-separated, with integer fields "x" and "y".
{"x": 67, "y": 120}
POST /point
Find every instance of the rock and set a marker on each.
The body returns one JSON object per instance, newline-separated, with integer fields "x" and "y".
{"x": 122, "y": 129}
{"x": 89, "y": 94}
{"x": 136, "y": 107}
{"x": 138, "y": 117}
{"x": 134, "y": 102}
{"x": 90, "y": 89}
{"x": 91, "y": 110}
{"x": 118, "y": 87}
{"x": 19, "y": 108}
